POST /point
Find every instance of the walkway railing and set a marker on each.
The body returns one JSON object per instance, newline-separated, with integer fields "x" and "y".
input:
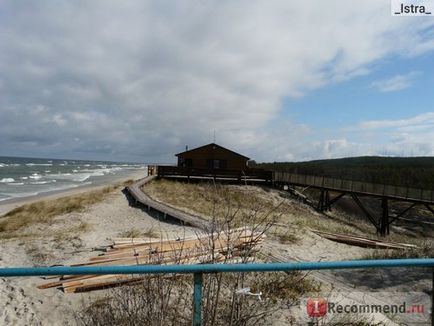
{"x": 398, "y": 192}
{"x": 248, "y": 174}
{"x": 199, "y": 270}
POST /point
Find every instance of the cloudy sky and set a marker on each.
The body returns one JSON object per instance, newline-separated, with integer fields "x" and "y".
{"x": 276, "y": 80}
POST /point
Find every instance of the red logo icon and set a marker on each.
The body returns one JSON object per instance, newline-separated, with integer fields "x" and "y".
{"x": 316, "y": 307}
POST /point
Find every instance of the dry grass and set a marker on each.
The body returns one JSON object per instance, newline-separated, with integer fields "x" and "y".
{"x": 14, "y": 222}
{"x": 215, "y": 201}
{"x": 290, "y": 214}
{"x": 136, "y": 233}
{"x": 425, "y": 250}
{"x": 196, "y": 199}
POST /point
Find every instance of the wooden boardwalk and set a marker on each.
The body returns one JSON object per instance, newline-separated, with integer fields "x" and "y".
{"x": 142, "y": 198}
{"x": 355, "y": 189}
{"x": 327, "y": 187}
{"x": 422, "y": 196}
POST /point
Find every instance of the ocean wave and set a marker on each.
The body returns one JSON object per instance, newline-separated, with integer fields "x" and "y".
{"x": 7, "y": 195}
{"x": 3, "y": 165}
{"x": 35, "y": 176}
{"x": 42, "y": 182}
{"x": 16, "y": 184}
{"x": 39, "y": 164}
{"x": 7, "y": 180}
{"x": 17, "y": 195}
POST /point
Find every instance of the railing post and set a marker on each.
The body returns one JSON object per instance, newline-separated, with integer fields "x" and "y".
{"x": 197, "y": 299}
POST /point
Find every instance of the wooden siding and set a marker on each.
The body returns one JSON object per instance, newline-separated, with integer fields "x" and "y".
{"x": 204, "y": 157}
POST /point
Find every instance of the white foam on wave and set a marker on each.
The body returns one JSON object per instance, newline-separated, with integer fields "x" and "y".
{"x": 16, "y": 184}
{"x": 7, "y": 180}
{"x": 49, "y": 189}
{"x": 42, "y": 182}
{"x": 82, "y": 178}
{"x": 35, "y": 176}
{"x": 18, "y": 195}
{"x": 24, "y": 178}
{"x": 39, "y": 164}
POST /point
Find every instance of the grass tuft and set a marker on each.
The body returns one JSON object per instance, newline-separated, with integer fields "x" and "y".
{"x": 136, "y": 233}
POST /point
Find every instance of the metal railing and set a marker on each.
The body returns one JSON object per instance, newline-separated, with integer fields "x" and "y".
{"x": 199, "y": 270}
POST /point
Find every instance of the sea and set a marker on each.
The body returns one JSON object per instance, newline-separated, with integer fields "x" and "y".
{"x": 25, "y": 177}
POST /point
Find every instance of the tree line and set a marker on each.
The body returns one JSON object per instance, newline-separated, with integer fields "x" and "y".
{"x": 415, "y": 172}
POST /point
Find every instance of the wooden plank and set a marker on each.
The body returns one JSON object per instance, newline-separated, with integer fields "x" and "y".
{"x": 363, "y": 242}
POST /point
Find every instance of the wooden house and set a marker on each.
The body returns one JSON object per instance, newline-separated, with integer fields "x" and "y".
{"x": 212, "y": 156}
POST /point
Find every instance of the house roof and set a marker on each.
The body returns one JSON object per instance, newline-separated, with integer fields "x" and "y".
{"x": 212, "y": 144}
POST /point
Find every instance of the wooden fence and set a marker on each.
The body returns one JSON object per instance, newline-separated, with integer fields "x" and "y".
{"x": 216, "y": 174}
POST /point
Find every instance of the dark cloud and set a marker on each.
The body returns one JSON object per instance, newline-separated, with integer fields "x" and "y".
{"x": 138, "y": 80}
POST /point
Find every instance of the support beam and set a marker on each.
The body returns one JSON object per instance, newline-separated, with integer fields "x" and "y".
{"x": 334, "y": 200}
{"x": 327, "y": 201}
{"x": 320, "y": 205}
{"x": 429, "y": 208}
{"x": 402, "y": 213}
{"x": 368, "y": 215}
{"x": 384, "y": 222}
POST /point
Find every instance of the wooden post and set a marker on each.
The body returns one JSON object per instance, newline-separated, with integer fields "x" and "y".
{"x": 384, "y": 223}
{"x": 327, "y": 201}
{"x": 321, "y": 201}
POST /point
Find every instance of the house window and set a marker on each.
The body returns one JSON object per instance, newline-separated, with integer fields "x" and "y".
{"x": 216, "y": 164}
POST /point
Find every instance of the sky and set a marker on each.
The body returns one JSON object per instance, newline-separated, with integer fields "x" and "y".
{"x": 274, "y": 80}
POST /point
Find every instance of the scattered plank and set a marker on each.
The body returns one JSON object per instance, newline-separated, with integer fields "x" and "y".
{"x": 363, "y": 242}
{"x": 236, "y": 245}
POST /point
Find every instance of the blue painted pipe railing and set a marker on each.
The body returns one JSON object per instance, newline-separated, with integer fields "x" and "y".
{"x": 198, "y": 270}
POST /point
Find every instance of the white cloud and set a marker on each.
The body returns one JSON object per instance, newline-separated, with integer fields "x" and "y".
{"x": 418, "y": 121}
{"x": 140, "y": 79}
{"x": 395, "y": 83}
{"x": 400, "y": 137}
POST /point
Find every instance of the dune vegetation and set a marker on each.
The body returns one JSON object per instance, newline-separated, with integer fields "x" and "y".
{"x": 14, "y": 223}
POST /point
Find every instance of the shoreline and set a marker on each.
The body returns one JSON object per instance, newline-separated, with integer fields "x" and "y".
{"x": 10, "y": 204}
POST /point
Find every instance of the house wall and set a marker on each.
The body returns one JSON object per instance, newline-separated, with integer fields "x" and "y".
{"x": 200, "y": 157}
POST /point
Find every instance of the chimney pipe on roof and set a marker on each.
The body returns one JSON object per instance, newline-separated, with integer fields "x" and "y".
{"x": 186, "y": 147}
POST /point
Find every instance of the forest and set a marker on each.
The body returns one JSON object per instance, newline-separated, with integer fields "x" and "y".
{"x": 415, "y": 172}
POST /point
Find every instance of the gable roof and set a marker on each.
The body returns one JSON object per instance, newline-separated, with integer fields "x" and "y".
{"x": 212, "y": 144}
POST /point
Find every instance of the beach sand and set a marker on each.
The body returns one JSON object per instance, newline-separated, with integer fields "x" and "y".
{"x": 21, "y": 303}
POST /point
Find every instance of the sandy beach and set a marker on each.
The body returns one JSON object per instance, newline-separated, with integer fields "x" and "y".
{"x": 8, "y": 205}
{"x": 74, "y": 237}
{"x": 20, "y": 301}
